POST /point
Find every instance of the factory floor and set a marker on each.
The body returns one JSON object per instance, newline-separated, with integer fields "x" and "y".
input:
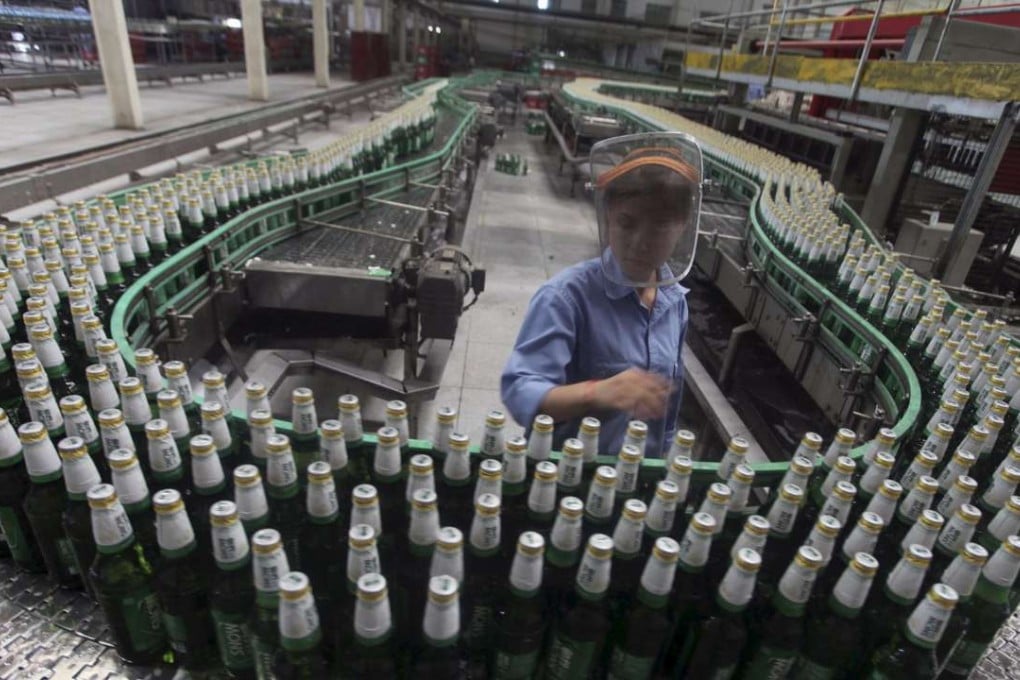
{"x": 42, "y": 125}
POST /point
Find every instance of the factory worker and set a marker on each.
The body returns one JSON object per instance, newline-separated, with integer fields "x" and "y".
{"x": 603, "y": 338}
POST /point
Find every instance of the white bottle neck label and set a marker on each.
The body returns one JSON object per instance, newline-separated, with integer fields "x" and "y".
{"x": 852, "y": 589}
{"x": 298, "y": 618}
{"x": 627, "y": 536}
{"x": 797, "y": 583}
{"x": 111, "y": 526}
{"x": 230, "y": 545}
{"x": 174, "y": 531}
{"x": 737, "y": 586}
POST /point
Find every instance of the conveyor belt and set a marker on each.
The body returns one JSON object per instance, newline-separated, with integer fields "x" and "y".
{"x": 325, "y": 247}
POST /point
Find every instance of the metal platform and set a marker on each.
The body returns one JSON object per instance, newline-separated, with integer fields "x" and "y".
{"x": 359, "y": 254}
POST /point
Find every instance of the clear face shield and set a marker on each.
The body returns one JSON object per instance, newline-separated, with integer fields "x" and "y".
{"x": 648, "y": 202}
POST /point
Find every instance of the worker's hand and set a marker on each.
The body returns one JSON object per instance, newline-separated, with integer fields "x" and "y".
{"x": 642, "y": 394}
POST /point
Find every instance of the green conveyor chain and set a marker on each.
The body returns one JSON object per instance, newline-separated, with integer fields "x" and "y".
{"x": 184, "y": 279}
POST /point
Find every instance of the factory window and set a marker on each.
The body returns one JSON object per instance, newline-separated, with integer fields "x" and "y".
{"x": 618, "y": 9}
{"x": 543, "y": 4}
{"x": 589, "y": 6}
{"x": 657, "y": 14}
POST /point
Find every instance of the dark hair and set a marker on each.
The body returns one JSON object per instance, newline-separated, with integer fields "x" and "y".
{"x": 653, "y": 183}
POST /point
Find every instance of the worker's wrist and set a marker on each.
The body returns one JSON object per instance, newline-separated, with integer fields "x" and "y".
{"x": 589, "y": 395}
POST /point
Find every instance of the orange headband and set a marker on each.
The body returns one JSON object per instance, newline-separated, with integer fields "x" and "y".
{"x": 656, "y": 156}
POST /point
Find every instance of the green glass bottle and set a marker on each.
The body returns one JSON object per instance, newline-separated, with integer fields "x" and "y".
{"x": 520, "y": 623}
{"x": 79, "y": 423}
{"x": 182, "y": 585}
{"x": 389, "y": 484}
{"x": 565, "y": 545}
{"x": 80, "y": 475}
{"x": 989, "y": 607}
{"x": 177, "y": 380}
{"x": 269, "y": 564}
{"x": 693, "y": 592}
{"x": 918, "y": 499}
{"x": 250, "y": 497}
{"x": 122, "y": 579}
{"x": 43, "y": 409}
{"x": 779, "y": 639}
{"x": 305, "y": 422}
{"x": 961, "y": 575}
{"x": 286, "y": 504}
{"x": 208, "y": 485}
{"x": 782, "y": 517}
{"x": 600, "y": 503}
{"x": 215, "y": 424}
{"x": 232, "y": 593}
{"x": 173, "y": 418}
{"x": 45, "y": 503}
{"x": 1004, "y": 524}
{"x": 832, "y": 637}
{"x": 147, "y": 369}
{"x": 321, "y": 538}
{"x": 133, "y": 492}
{"x": 515, "y": 478}
{"x": 52, "y": 357}
{"x": 166, "y": 468}
{"x": 570, "y": 470}
{"x": 333, "y": 450}
{"x": 891, "y": 607}
{"x": 581, "y": 628}
{"x": 373, "y": 652}
{"x": 541, "y": 441}
{"x": 10, "y": 391}
{"x": 541, "y": 501}
{"x": 260, "y": 427}
{"x": 415, "y": 562}
{"x": 441, "y": 654}
{"x": 482, "y": 578}
{"x": 454, "y": 483}
{"x": 628, "y": 537}
{"x": 358, "y": 450}
{"x": 644, "y": 628}
{"x": 14, "y": 485}
{"x": 910, "y": 654}
{"x": 448, "y": 554}
{"x": 715, "y": 644}
{"x": 301, "y": 655}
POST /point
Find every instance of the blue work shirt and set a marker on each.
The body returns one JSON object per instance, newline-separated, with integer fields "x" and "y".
{"x": 582, "y": 326}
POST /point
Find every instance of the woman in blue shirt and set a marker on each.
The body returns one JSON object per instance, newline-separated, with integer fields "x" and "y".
{"x": 604, "y": 337}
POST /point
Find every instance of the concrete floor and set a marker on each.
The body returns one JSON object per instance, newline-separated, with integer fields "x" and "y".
{"x": 42, "y": 125}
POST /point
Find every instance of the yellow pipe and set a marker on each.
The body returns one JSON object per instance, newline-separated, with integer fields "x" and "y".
{"x": 858, "y": 17}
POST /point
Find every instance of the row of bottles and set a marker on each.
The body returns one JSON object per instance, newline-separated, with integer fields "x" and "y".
{"x": 335, "y": 520}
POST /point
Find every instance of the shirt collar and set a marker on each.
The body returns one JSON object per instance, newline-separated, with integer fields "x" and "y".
{"x": 615, "y": 291}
